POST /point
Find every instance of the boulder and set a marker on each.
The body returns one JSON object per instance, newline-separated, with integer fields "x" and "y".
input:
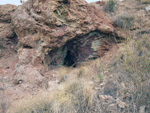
{"x": 147, "y": 8}
{"x": 47, "y": 25}
{"x": 28, "y": 76}
{"x": 142, "y": 109}
{"x": 6, "y": 12}
{"x": 59, "y": 30}
{"x": 6, "y": 30}
{"x": 120, "y": 103}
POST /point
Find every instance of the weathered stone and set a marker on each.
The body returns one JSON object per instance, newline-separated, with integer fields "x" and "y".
{"x": 6, "y": 30}
{"x": 47, "y": 26}
{"x": 25, "y": 55}
{"x": 112, "y": 108}
{"x": 29, "y": 75}
{"x": 80, "y": 49}
{"x": 142, "y": 109}
{"x": 6, "y": 12}
{"x": 147, "y": 8}
{"x": 106, "y": 98}
{"x": 120, "y": 103}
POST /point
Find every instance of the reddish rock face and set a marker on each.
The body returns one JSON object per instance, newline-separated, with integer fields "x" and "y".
{"x": 87, "y": 47}
{"x": 47, "y": 25}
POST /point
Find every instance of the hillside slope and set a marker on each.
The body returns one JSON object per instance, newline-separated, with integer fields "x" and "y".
{"x": 68, "y": 56}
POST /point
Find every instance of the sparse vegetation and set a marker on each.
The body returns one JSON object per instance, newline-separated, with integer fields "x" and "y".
{"x": 74, "y": 96}
{"x": 94, "y": 86}
{"x": 110, "y": 6}
{"x": 3, "y": 104}
{"x": 124, "y": 21}
{"x": 132, "y": 75}
{"x": 63, "y": 73}
{"x": 145, "y": 1}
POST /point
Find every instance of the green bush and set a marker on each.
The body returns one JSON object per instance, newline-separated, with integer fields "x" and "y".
{"x": 110, "y": 6}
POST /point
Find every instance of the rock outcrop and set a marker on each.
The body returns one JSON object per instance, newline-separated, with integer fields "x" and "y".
{"x": 7, "y": 35}
{"x": 6, "y": 12}
{"x": 6, "y": 30}
{"x": 62, "y": 29}
{"x": 42, "y": 33}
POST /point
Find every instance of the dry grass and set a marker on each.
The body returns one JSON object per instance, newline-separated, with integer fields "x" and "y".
{"x": 63, "y": 72}
{"x": 145, "y": 1}
{"x": 71, "y": 97}
{"x": 130, "y": 73}
{"x": 90, "y": 69}
{"x": 75, "y": 92}
{"x": 124, "y": 21}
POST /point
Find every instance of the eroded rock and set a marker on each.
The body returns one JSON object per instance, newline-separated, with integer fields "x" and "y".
{"x": 60, "y": 29}
{"x": 90, "y": 46}
{"x": 28, "y": 75}
{"x": 6, "y": 30}
{"x": 25, "y": 55}
{"x": 6, "y": 12}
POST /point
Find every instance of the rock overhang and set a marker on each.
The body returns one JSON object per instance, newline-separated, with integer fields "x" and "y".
{"x": 48, "y": 25}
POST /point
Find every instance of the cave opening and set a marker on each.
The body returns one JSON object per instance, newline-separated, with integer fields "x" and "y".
{"x": 26, "y": 46}
{"x": 69, "y": 60}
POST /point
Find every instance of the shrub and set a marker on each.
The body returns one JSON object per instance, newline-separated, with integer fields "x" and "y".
{"x": 145, "y": 1}
{"x": 132, "y": 74}
{"x": 124, "y": 21}
{"x": 110, "y": 6}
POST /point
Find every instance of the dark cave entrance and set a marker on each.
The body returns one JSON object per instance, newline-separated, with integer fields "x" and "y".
{"x": 79, "y": 49}
{"x": 69, "y": 59}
